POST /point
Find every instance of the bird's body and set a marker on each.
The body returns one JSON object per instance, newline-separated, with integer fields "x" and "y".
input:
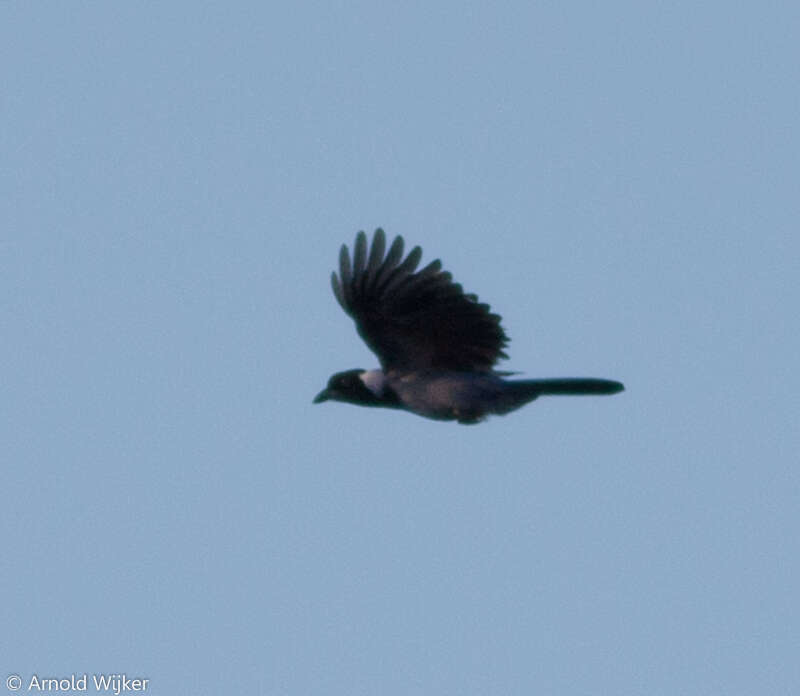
{"x": 437, "y": 345}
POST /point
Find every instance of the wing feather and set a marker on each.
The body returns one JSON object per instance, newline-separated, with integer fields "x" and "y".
{"x": 390, "y": 263}
{"x": 414, "y": 319}
{"x": 359, "y": 256}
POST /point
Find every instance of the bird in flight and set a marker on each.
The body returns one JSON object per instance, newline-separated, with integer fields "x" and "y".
{"x": 436, "y": 344}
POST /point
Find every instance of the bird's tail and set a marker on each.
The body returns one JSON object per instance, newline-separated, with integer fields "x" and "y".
{"x": 516, "y": 393}
{"x": 569, "y": 386}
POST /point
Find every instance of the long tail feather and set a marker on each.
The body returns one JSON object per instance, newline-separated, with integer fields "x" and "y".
{"x": 571, "y": 386}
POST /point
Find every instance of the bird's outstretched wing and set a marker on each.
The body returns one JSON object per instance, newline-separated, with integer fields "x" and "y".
{"x": 414, "y": 320}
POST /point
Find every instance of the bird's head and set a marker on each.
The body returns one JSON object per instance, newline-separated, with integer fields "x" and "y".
{"x": 348, "y": 386}
{"x": 360, "y": 387}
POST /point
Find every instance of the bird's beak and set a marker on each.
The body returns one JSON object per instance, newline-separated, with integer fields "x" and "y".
{"x": 322, "y": 396}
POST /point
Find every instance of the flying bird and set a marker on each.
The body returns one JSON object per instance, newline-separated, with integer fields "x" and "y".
{"x": 436, "y": 344}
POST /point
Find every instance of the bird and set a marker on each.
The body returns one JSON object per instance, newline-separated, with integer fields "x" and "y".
{"x": 437, "y": 345}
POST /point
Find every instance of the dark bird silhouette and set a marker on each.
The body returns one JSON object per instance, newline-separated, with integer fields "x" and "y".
{"x": 436, "y": 344}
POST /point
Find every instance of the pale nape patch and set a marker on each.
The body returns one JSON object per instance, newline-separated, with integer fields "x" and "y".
{"x": 374, "y": 380}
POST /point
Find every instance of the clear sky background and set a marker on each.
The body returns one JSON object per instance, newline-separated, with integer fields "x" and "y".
{"x": 620, "y": 181}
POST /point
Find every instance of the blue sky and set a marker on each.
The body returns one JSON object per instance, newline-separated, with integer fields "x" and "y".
{"x": 620, "y": 182}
